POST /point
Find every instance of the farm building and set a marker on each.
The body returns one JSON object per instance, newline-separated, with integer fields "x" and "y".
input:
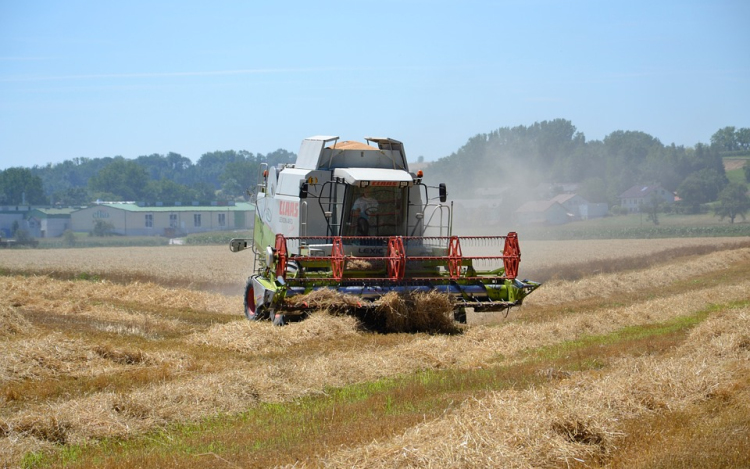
{"x": 633, "y": 198}
{"x": 48, "y": 222}
{"x": 543, "y": 212}
{"x": 571, "y": 202}
{"x": 10, "y": 215}
{"x": 133, "y": 219}
{"x": 580, "y": 207}
{"x": 590, "y": 211}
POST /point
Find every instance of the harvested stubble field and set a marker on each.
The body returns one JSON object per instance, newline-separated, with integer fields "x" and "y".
{"x": 626, "y": 366}
{"x": 215, "y": 268}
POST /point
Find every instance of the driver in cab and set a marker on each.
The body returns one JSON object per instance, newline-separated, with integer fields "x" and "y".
{"x": 363, "y": 209}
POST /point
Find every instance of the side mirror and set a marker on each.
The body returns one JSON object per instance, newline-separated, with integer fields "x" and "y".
{"x": 443, "y": 192}
{"x": 303, "y": 190}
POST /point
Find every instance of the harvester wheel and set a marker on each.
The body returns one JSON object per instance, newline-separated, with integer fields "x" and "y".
{"x": 252, "y": 311}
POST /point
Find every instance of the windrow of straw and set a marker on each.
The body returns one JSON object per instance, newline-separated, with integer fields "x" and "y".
{"x": 409, "y": 312}
{"x": 72, "y": 295}
{"x": 603, "y": 285}
{"x": 12, "y": 322}
{"x": 262, "y": 337}
{"x": 429, "y": 312}
{"x": 576, "y": 421}
{"x": 327, "y": 299}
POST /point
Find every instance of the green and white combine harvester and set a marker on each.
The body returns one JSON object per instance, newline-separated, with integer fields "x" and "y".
{"x": 351, "y": 217}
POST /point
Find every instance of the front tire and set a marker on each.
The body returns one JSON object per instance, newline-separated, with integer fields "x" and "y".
{"x": 253, "y": 312}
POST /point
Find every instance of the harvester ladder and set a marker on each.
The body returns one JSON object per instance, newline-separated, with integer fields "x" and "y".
{"x": 329, "y": 198}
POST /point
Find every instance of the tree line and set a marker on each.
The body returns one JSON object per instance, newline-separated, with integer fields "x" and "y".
{"x": 219, "y": 175}
{"x": 520, "y": 158}
{"x": 514, "y": 158}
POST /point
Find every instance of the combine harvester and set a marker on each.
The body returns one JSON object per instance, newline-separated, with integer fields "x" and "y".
{"x": 350, "y": 217}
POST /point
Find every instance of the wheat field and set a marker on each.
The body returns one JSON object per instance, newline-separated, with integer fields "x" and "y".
{"x": 151, "y": 342}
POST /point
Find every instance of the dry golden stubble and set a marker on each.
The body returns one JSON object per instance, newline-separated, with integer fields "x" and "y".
{"x": 281, "y": 377}
{"x": 50, "y": 356}
{"x": 170, "y": 265}
{"x": 12, "y": 322}
{"x": 576, "y": 420}
{"x": 603, "y": 285}
{"x": 541, "y": 255}
{"x": 262, "y": 337}
{"x": 73, "y": 296}
{"x": 217, "y": 266}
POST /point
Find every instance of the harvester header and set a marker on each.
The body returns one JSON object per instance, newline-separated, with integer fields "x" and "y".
{"x": 351, "y": 217}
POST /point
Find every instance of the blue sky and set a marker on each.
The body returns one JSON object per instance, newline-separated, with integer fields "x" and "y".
{"x": 94, "y": 79}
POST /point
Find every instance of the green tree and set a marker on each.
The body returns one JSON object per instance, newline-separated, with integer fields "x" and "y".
{"x": 172, "y": 166}
{"x": 203, "y": 192}
{"x": 212, "y": 165}
{"x": 124, "y": 178}
{"x": 742, "y": 137}
{"x": 725, "y": 139}
{"x": 274, "y": 158}
{"x": 72, "y": 196}
{"x": 733, "y": 201}
{"x": 102, "y": 228}
{"x": 230, "y": 189}
{"x": 168, "y": 191}
{"x": 594, "y": 190}
{"x": 701, "y": 187}
{"x": 239, "y": 177}
{"x": 631, "y": 147}
{"x": 69, "y": 174}
{"x": 20, "y": 184}
{"x": 69, "y": 238}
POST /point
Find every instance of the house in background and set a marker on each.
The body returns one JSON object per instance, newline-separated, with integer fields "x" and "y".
{"x": 581, "y": 208}
{"x": 571, "y": 202}
{"x": 542, "y": 212}
{"x": 133, "y": 219}
{"x": 633, "y": 198}
{"x": 10, "y": 216}
{"x": 48, "y": 222}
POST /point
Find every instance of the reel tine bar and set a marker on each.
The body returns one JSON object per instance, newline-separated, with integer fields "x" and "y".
{"x": 282, "y": 255}
{"x": 511, "y": 255}
{"x": 455, "y": 258}
{"x": 337, "y": 258}
{"x": 396, "y": 258}
{"x": 396, "y": 253}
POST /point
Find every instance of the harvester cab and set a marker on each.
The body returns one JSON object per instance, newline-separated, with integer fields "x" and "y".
{"x": 351, "y": 217}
